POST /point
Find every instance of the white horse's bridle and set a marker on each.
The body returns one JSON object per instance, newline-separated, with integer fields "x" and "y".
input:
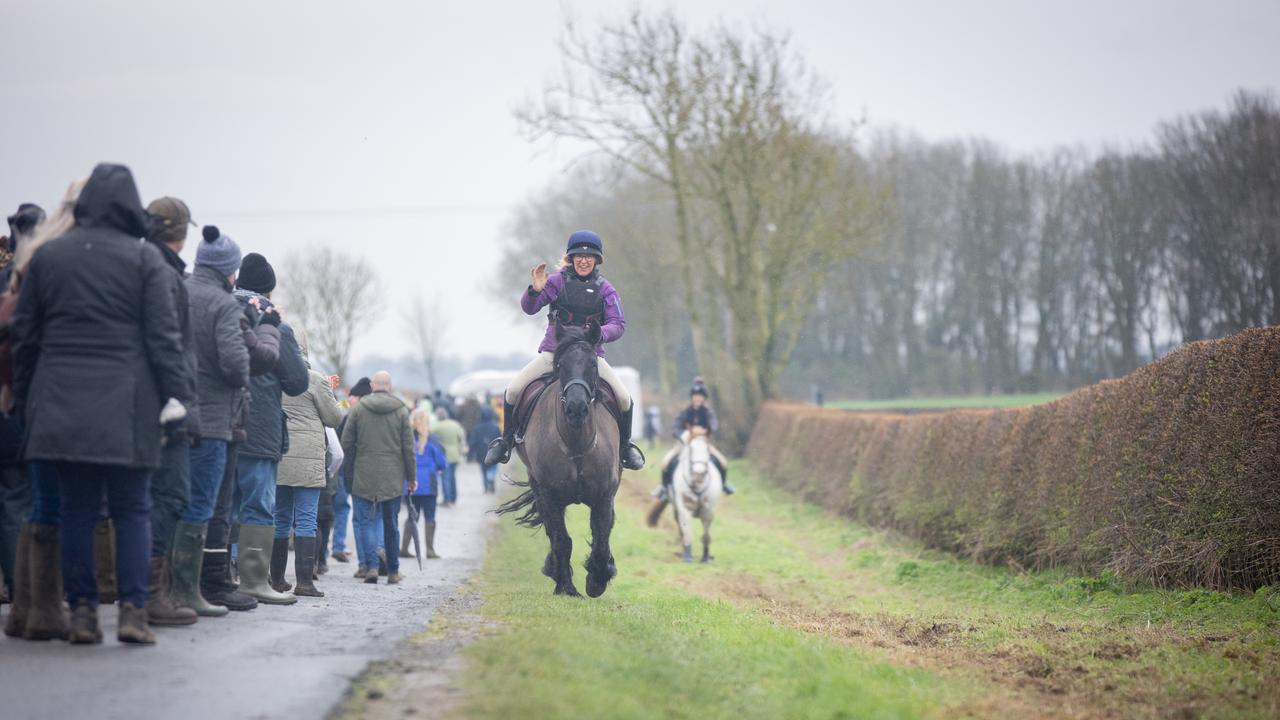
{"x": 698, "y": 459}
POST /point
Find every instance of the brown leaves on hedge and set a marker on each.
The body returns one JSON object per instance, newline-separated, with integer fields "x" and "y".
{"x": 1169, "y": 475}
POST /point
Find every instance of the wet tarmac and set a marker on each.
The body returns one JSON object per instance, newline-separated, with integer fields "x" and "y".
{"x": 272, "y": 662}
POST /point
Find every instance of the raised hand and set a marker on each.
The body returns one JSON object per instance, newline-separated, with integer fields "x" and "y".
{"x": 539, "y": 276}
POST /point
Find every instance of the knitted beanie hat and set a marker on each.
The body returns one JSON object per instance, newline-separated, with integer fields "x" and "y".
{"x": 362, "y": 387}
{"x": 256, "y": 274}
{"x": 218, "y": 251}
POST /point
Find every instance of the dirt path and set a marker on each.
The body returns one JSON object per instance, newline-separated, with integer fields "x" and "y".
{"x": 272, "y": 662}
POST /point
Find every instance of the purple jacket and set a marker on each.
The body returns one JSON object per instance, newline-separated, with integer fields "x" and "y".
{"x": 611, "y": 329}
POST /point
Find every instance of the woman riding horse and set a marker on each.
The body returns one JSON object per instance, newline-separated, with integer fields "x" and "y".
{"x": 576, "y": 295}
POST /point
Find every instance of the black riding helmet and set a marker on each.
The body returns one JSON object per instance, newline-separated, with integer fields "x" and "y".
{"x": 698, "y": 389}
{"x": 585, "y": 242}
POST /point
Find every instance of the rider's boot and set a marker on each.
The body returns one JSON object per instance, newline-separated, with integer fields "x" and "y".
{"x": 500, "y": 449}
{"x": 724, "y": 477}
{"x": 632, "y": 458}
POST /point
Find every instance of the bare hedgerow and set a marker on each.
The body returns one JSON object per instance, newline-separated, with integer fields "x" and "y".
{"x": 1169, "y": 475}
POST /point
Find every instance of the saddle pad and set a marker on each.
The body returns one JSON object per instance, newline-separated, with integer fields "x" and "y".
{"x": 534, "y": 390}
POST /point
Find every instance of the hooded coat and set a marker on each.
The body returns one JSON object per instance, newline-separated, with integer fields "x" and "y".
{"x": 378, "y": 435}
{"x": 97, "y": 344}
{"x": 308, "y": 415}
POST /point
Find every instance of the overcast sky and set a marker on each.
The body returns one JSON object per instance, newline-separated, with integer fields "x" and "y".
{"x": 386, "y": 128}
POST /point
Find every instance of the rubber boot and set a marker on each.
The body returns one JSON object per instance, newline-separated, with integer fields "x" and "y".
{"x": 322, "y": 559}
{"x": 15, "y": 625}
{"x": 280, "y": 561}
{"x": 500, "y": 449}
{"x": 256, "y": 542}
{"x": 46, "y": 618}
{"x": 161, "y": 607}
{"x": 188, "y": 556}
{"x": 104, "y": 561}
{"x": 84, "y": 628}
{"x": 304, "y": 567}
{"x": 216, "y": 584}
{"x": 429, "y": 529}
{"x": 132, "y": 626}
{"x": 632, "y": 458}
{"x": 405, "y": 539}
{"x": 668, "y": 477}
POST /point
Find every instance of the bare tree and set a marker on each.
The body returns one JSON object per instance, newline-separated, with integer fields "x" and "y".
{"x": 334, "y": 297}
{"x": 428, "y": 328}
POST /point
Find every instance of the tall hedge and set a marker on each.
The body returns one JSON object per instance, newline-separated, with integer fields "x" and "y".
{"x": 1169, "y": 475}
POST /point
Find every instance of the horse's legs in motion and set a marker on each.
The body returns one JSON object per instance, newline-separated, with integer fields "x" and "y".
{"x": 707, "y": 516}
{"x": 558, "y": 560}
{"x": 600, "y": 566}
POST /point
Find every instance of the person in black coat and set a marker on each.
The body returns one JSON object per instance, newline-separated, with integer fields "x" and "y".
{"x": 97, "y": 355}
{"x": 266, "y": 440}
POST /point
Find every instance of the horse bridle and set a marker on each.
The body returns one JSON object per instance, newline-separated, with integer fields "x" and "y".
{"x": 564, "y": 389}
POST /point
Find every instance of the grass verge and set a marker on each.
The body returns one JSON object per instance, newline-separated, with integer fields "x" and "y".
{"x": 804, "y": 614}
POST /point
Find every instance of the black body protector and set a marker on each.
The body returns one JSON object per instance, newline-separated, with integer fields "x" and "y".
{"x": 580, "y": 301}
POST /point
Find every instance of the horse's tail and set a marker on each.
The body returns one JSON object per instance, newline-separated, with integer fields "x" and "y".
{"x": 525, "y": 501}
{"x": 655, "y": 513}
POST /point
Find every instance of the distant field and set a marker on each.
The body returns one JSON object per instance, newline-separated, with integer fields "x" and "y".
{"x": 953, "y": 402}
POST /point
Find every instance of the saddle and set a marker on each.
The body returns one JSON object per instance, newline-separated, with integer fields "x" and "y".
{"x": 534, "y": 391}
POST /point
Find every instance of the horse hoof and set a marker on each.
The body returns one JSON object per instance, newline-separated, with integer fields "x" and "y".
{"x": 707, "y": 558}
{"x": 596, "y": 588}
{"x": 570, "y": 591}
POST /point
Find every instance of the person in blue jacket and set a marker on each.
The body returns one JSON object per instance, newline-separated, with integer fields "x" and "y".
{"x": 431, "y": 466}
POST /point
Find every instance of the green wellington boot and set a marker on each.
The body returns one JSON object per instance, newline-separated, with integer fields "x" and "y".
{"x": 256, "y": 542}
{"x": 188, "y": 556}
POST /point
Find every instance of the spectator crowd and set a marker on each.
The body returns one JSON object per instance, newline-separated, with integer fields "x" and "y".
{"x": 165, "y": 443}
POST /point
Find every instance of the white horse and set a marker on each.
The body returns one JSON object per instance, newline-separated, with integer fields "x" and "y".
{"x": 696, "y": 489}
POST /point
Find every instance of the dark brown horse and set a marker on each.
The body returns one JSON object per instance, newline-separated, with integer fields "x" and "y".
{"x": 571, "y": 452}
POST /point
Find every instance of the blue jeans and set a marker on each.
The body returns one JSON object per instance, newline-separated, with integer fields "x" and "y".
{"x": 296, "y": 505}
{"x": 451, "y": 483}
{"x": 46, "y": 499}
{"x": 366, "y": 517}
{"x": 341, "y": 516}
{"x": 256, "y": 479}
{"x": 129, "y": 505}
{"x": 208, "y": 461}
{"x": 379, "y": 531}
{"x": 490, "y": 474}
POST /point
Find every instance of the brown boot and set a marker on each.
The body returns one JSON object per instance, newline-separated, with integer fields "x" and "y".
{"x": 372, "y": 576}
{"x": 16, "y": 625}
{"x": 84, "y": 625}
{"x": 104, "y": 561}
{"x": 429, "y": 529}
{"x": 46, "y": 618}
{"x": 161, "y": 608}
{"x": 132, "y": 627}
{"x": 405, "y": 539}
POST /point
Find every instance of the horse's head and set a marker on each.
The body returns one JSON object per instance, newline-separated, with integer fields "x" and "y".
{"x": 575, "y": 363}
{"x": 699, "y": 458}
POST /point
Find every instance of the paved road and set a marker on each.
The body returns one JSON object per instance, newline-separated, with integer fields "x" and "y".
{"x": 272, "y": 662}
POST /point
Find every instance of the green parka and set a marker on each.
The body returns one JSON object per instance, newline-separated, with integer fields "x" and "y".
{"x": 378, "y": 435}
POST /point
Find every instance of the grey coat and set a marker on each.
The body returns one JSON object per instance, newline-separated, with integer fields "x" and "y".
{"x": 222, "y": 360}
{"x": 377, "y": 433}
{"x": 308, "y": 415}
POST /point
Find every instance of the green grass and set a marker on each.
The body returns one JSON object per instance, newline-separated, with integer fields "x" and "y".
{"x": 647, "y": 649}
{"x": 726, "y": 640}
{"x": 952, "y": 402}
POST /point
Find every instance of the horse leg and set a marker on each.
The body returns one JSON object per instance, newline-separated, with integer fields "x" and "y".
{"x": 683, "y": 520}
{"x": 707, "y": 516}
{"x": 600, "y": 566}
{"x": 561, "y": 549}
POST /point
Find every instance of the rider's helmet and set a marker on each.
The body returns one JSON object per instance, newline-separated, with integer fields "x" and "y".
{"x": 585, "y": 242}
{"x": 698, "y": 389}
